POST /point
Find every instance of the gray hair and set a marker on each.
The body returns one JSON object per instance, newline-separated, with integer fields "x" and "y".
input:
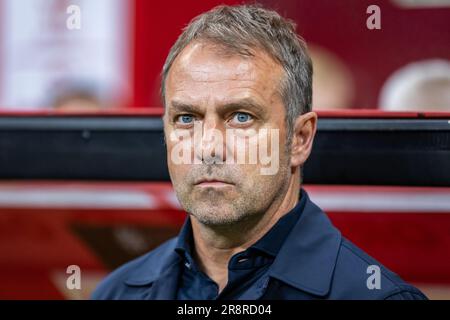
{"x": 241, "y": 29}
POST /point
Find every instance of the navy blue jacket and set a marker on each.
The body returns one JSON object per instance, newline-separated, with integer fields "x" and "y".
{"x": 315, "y": 262}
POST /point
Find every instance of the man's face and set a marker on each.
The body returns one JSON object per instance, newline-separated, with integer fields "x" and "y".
{"x": 235, "y": 97}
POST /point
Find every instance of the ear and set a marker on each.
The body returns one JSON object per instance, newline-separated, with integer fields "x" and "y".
{"x": 303, "y": 136}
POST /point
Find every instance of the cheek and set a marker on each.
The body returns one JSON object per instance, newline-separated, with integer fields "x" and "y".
{"x": 178, "y": 171}
{"x": 180, "y": 179}
{"x": 263, "y": 187}
{"x": 179, "y": 151}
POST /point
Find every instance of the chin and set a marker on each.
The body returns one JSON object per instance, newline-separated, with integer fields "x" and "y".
{"x": 216, "y": 215}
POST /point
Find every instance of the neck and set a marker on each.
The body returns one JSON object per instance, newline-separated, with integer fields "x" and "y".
{"x": 214, "y": 246}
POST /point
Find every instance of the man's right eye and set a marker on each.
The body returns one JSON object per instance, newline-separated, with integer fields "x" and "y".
{"x": 185, "y": 119}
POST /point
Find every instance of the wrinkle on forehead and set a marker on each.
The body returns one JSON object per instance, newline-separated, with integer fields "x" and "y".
{"x": 201, "y": 64}
{"x": 197, "y": 63}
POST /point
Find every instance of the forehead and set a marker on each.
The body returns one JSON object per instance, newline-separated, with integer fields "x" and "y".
{"x": 202, "y": 73}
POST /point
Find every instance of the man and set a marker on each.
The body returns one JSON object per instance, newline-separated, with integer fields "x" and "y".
{"x": 238, "y": 80}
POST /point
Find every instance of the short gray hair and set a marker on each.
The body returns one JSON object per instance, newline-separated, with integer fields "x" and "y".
{"x": 240, "y": 29}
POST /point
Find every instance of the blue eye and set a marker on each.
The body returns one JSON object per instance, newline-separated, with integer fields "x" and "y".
{"x": 242, "y": 117}
{"x": 186, "y": 118}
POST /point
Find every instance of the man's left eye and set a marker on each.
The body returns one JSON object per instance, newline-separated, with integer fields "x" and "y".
{"x": 241, "y": 117}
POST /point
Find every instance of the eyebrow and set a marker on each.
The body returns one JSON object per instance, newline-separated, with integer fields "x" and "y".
{"x": 177, "y": 106}
{"x": 246, "y": 103}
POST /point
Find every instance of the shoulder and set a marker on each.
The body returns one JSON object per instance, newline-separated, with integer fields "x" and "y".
{"x": 139, "y": 271}
{"x": 359, "y": 276}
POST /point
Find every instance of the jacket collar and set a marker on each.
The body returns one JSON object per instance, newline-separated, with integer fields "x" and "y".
{"x": 158, "y": 271}
{"x": 306, "y": 260}
{"x": 308, "y": 257}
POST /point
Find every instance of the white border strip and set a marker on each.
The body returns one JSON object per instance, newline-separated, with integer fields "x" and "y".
{"x": 407, "y": 202}
{"x": 75, "y": 198}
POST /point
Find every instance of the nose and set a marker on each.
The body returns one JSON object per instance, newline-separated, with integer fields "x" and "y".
{"x": 209, "y": 141}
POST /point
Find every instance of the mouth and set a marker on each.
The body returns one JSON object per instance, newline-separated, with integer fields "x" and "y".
{"x": 213, "y": 183}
